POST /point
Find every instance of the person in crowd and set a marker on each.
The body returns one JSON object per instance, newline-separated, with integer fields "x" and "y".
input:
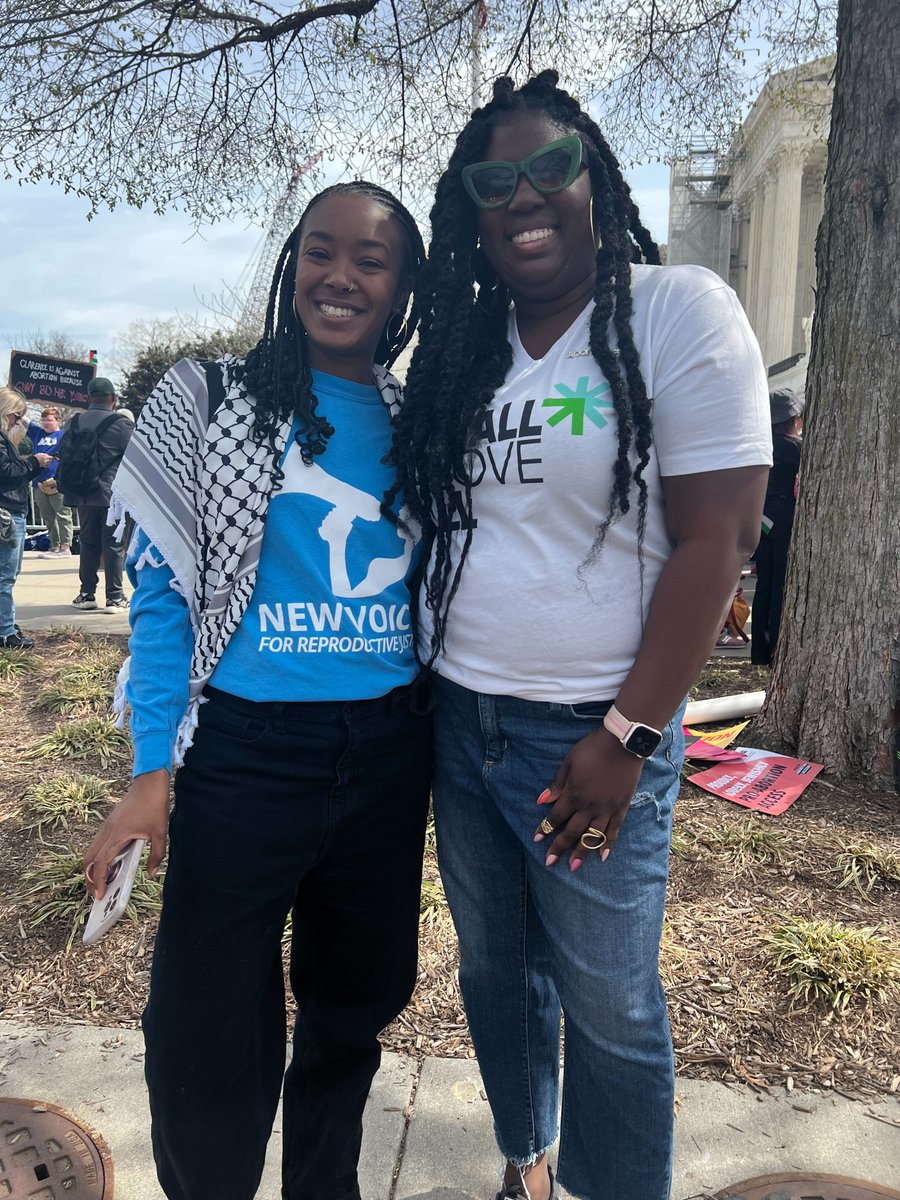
{"x": 16, "y": 472}
{"x": 781, "y": 501}
{"x": 587, "y": 432}
{"x": 98, "y": 540}
{"x": 51, "y": 507}
{"x": 272, "y": 655}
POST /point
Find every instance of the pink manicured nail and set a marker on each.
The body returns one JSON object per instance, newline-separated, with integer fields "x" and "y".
{"x": 551, "y": 859}
{"x": 604, "y": 855}
{"x": 539, "y": 837}
{"x": 545, "y": 797}
{"x": 575, "y": 864}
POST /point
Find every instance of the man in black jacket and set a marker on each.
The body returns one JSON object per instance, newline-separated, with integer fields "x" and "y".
{"x": 97, "y": 539}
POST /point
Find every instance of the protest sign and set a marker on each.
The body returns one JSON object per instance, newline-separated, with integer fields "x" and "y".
{"x": 710, "y": 745}
{"x": 44, "y": 380}
{"x": 766, "y": 782}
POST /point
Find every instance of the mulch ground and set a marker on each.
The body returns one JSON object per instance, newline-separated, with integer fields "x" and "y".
{"x": 732, "y": 1017}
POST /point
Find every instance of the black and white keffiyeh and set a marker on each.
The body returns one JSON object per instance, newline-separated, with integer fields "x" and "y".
{"x": 200, "y": 492}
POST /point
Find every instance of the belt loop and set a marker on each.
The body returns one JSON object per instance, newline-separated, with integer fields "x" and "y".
{"x": 276, "y": 716}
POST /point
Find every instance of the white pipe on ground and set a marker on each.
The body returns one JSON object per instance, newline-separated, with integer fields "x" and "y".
{"x": 723, "y": 708}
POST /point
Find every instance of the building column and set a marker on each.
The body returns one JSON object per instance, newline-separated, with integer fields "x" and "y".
{"x": 810, "y": 216}
{"x": 762, "y": 291}
{"x": 751, "y": 284}
{"x": 785, "y": 250}
{"x": 740, "y": 232}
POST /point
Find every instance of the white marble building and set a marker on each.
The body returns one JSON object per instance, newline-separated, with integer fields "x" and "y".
{"x": 752, "y": 214}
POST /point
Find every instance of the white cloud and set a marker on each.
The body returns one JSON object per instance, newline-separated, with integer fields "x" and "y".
{"x": 91, "y": 279}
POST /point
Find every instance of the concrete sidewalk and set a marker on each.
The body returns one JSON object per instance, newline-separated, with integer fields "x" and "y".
{"x": 44, "y": 593}
{"x": 428, "y": 1127}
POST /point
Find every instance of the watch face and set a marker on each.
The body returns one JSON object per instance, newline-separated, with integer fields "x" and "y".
{"x": 643, "y": 741}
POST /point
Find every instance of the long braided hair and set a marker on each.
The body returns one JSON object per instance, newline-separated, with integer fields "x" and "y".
{"x": 464, "y": 352}
{"x": 276, "y": 372}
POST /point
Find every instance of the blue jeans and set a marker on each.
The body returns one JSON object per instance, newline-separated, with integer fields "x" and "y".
{"x": 535, "y": 942}
{"x": 10, "y": 565}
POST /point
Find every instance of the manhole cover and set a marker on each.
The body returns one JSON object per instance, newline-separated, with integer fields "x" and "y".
{"x": 806, "y": 1186}
{"x": 46, "y": 1155}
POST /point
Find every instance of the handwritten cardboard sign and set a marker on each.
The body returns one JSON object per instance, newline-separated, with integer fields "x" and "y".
{"x": 43, "y": 380}
{"x": 766, "y": 782}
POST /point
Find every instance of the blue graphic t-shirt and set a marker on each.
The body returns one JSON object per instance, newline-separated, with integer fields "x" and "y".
{"x": 329, "y": 618}
{"x": 44, "y": 443}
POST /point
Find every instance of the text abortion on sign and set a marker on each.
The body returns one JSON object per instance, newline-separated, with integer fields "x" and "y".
{"x": 44, "y": 380}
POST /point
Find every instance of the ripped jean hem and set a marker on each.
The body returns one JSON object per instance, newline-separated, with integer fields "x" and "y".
{"x": 521, "y": 1163}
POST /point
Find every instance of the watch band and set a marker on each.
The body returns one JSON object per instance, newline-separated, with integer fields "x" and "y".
{"x": 624, "y": 730}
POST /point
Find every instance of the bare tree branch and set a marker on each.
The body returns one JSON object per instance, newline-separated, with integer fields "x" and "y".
{"x": 207, "y": 105}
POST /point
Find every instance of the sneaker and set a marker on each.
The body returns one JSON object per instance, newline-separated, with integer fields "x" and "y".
{"x": 84, "y": 600}
{"x": 62, "y": 552}
{"x": 16, "y": 641}
{"x": 120, "y": 604}
{"x": 728, "y": 639}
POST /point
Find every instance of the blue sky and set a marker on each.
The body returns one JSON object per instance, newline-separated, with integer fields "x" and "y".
{"x": 91, "y": 279}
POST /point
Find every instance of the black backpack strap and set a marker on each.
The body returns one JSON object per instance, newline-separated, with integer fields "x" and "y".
{"x": 105, "y": 423}
{"x": 215, "y": 388}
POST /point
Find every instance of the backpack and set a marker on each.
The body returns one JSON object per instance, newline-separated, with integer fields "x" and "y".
{"x": 80, "y": 457}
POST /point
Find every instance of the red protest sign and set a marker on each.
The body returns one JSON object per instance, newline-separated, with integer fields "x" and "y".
{"x": 766, "y": 782}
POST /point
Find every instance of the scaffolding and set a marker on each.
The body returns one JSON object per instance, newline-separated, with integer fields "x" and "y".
{"x": 284, "y": 218}
{"x": 699, "y": 212}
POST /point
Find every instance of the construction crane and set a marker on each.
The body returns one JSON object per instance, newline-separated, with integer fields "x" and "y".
{"x": 283, "y": 220}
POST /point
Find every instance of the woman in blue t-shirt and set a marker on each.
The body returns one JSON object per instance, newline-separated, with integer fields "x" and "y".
{"x": 55, "y": 514}
{"x": 271, "y": 654}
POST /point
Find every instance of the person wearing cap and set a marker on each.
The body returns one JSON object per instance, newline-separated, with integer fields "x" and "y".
{"x": 55, "y": 514}
{"x": 98, "y": 541}
{"x": 781, "y": 497}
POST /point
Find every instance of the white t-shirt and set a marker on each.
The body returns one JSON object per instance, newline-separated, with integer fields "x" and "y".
{"x": 530, "y": 618}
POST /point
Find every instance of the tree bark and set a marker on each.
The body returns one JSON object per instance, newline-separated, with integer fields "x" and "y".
{"x": 835, "y": 685}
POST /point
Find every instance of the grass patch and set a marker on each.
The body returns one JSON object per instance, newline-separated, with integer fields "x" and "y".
{"x": 15, "y": 663}
{"x": 430, "y": 836}
{"x": 750, "y": 842}
{"x": 67, "y": 633}
{"x": 93, "y": 736}
{"x": 56, "y": 803}
{"x": 683, "y": 843}
{"x": 98, "y": 664}
{"x": 76, "y": 696}
{"x": 57, "y": 892}
{"x": 83, "y": 686}
{"x": 864, "y": 866}
{"x": 831, "y": 963}
{"x": 433, "y": 902}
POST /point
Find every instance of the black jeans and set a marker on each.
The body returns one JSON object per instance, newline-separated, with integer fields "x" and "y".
{"x": 771, "y": 559}
{"x": 312, "y": 809}
{"x": 98, "y": 540}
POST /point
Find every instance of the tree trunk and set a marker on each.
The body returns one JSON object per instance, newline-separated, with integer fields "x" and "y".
{"x": 835, "y": 689}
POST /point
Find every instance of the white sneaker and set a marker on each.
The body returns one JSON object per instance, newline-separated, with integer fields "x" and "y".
{"x": 60, "y": 553}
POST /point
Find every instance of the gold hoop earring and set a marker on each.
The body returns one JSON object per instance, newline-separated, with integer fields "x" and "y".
{"x": 596, "y": 239}
{"x": 396, "y": 339}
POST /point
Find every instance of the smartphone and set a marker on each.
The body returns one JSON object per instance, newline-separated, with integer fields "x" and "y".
{"x": 119, "y": 882}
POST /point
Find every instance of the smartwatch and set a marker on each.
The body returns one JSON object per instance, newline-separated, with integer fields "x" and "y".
{"x": 640, "y": 740}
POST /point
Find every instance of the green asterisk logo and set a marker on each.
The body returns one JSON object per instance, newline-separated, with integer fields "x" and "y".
{"x": 578, "y": 403}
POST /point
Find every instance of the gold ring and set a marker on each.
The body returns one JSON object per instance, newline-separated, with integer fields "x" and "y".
{"x": 546, "y": 827}
{"x": 593, "y": 839}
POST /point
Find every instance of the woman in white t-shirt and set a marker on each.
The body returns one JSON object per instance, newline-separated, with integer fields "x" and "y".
{"x": 586, "y": 434}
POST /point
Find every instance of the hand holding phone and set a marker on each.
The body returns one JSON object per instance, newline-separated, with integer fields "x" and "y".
{"x": 119, "y": 882}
